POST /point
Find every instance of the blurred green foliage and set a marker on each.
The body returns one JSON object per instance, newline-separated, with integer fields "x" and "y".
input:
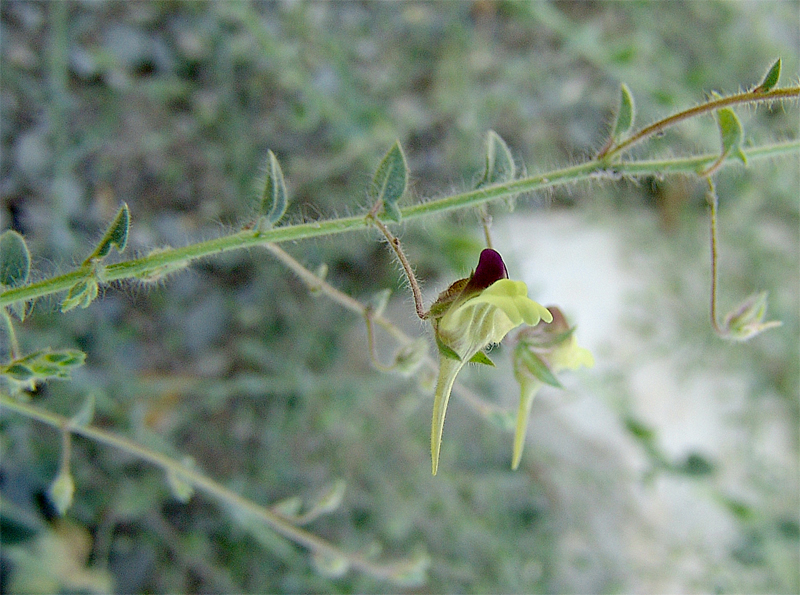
{"x": 172, "y": 106}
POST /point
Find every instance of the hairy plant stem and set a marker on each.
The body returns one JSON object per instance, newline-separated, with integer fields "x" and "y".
{"x": 11, "y": 335}
{"x": 486, "y": 222}
{"x": 66, "y": 450}
{"x": 419, "y": 306}
{"x": 612, "y": 149}
{"x": 148, "y": 266}
{"x": 373, "y": 351}
{"x": 201, "y": 482}
{"x": 713, "y": 203}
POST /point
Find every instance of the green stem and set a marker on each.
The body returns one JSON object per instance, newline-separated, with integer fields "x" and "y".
{"x": 709, "y": 106}
{"x": 204, "y": 484}
{"x": 13, "y": 344}
{"x": 394, "y": 243}
{"x": 713, "y": 202}
{"x": 169, "y": 259}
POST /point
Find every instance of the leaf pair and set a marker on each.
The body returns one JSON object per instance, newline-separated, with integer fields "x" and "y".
{"x": 391, "y": 177}
{"x": 83, "y": 292}
{"x": 43, "y": 365}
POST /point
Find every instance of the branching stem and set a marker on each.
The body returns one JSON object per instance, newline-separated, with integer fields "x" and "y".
{"x": 201, "y": 482}
{"x": 612, "y": 149}
{"x": 173, "y": 258}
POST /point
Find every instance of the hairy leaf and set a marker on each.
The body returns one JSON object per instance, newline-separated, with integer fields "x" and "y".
{"x": 625, "y": 114}
{"x": 274, "y": 198}
{"x": 770, "y": 79}
{"x": 731, "y": 134}
{"x": 390, "y": 181}
{"x": 500, "y": 166}
{"x": 15, "y": 259}
{"x": 116, "y": 235}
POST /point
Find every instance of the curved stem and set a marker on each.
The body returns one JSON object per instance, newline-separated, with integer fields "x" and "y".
{"x": 401, "y": 256}
{"x": 13, "y": 344}
{"x": 277, "y": 522}
{"x": 710, "y": 106}
{"x": 373, "y": 351}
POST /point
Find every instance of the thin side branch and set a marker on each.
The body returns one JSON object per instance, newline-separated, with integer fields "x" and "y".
{"x": 713, "y": 203}
{"x": 394, "y": 243}
{"x": 610, "y": 149}
{"x": 203, "y": 483}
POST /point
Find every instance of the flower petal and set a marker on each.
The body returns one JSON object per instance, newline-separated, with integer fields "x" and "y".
{"x": 490, "y": 268}
{"x": 512, "y": 298}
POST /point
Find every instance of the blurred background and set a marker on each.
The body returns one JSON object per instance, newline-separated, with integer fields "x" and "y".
{"x": 672, "y": 466}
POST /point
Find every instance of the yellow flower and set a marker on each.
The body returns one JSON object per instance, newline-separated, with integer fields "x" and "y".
{"x": 470, "y": 315}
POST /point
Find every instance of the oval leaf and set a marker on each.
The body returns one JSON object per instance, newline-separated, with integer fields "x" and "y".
{"x": 81, "y": 294}
{"x": 274, "y": 198}
{"x": 329, "y": 499}
{"x": 625, "y": 114}
{"x": 15, "y": 259}
{"x": 116, "y": 235}
{"x": 731, "y": 134}
{"x": 330, "y": 565}
{"x": 390, "y": 181}
{"x": 500, "y": 166}
{"x": 770, "y": 79}
{"x": 62, "y": 491}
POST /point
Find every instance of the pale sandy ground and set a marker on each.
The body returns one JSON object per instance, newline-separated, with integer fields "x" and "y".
{"x": 670, "y": 535}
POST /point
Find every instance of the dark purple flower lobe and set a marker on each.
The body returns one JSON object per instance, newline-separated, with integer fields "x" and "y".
{"x": 491, "y": 268}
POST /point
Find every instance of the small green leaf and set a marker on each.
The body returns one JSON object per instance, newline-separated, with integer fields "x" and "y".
{"x": 274, "y": 198}
{"x": 15, "y": 259}
{"x": 481, "y": 358}
{"x": 390, "y": 181}
{"x": 731, "y": 134}
{"x": 19, "y": 372}
{"x": 116, "y": 235}
{"x": 392, "y": 211}
{"x": 289, "y": 507}
{"x": 330, "y": 565}
{"x": 61, "y": 491}
{"x": 537, "y": 367}
{"x": 770, "y": 79}
{"x": 44, "y": 364}
{"x": 500, "y": 166}
{"x": 446, "y": 351}
{"x": 85, "y": 414}
{"x": 625, "y": 114}
{"x": 180, "y": 489}
{"x": 328, "y": 500}
{"x": 81, "y": 294}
